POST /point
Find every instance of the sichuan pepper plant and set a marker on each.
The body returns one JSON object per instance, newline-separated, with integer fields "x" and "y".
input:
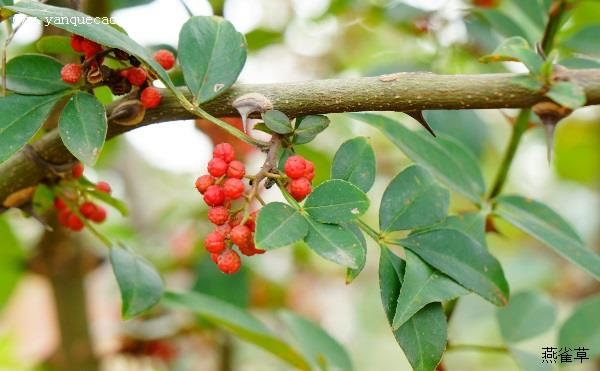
{"x": 429, "y": 257}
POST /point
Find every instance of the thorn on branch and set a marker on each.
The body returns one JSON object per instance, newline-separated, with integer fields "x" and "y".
{"x": 550, "y": 114}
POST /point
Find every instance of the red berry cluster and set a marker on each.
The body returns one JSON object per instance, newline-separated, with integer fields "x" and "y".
{"x": 86, "y": 209}
{"x": 301, "y": 173}
{"x": 119, "y": 81}
{"x": 221, "y": 187}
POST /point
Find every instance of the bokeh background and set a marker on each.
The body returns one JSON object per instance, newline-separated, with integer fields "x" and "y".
{"x": 153, "y": 170}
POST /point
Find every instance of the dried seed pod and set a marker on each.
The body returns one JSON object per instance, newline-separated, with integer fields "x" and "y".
{"x": 19, "y": 198}
{"x": 128, "y": 113}
{"x": 121, "y": 55}
{"x": 94, "y": 76}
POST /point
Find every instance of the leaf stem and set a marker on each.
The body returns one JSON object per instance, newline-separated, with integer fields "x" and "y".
{"x": 477, "y": 348}
{"x": 196, "y": 110}
{"x": 369, "y": 230}
{"x": 519, "y": 129}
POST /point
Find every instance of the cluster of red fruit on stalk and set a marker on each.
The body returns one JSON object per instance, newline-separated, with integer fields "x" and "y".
{"x": 221, "y": 187}
{"x": 86, "y": 209}
{"x": 119, "y": 81}
{"x": 301, "y": 173}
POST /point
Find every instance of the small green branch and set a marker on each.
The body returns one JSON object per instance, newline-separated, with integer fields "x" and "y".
{"x": 477, "y": 348}
{"x": 369, "y": 230}
{"x": 555, "y": 15}
{"x": 196, "y": 110}
{"x": 519, "y": 129}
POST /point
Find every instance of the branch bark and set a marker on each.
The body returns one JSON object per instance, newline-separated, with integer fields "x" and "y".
{"x": 401, "y": 92}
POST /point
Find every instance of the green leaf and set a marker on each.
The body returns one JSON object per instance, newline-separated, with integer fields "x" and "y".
{"x": 391, "y": 277}
{"x": 336, "y": 201}
{"x": 446, "y": 158}
{"x": 279, "y": 225}
{"x": 528, "y": 82}
{"x": 463, "y": 259}
{"x": 567, "y": 94}
{"x": 236, "y": 321}
{"x": 316, "y": 344}
{"x": 278, "y": 122}
{"x": 585, "y": 40}
{"x": 43, "y": 199}
{"x": 231, "y": 288}
{"x": 100, "y": 33}
{"x": 423, "y": 336}
{"x": 308, "y": 127}
{"x": 352, "y": 273}
{"x": 354, "y": 162}
{"x": 55, "y": 44}
{"x": 20, "y": 118}
{"x": 582, "y": 328}
{"x": 413, "y": 199}
{"x": 528, "y": 361}
{"x": 545, "y": 225}
{"x": 502, "y": 23}
{"x": 140, "y": 284}
{"x": 83, "y": 125}
{"x": 472, "y": 224}
{"x": 422, "y": 285}
{"x": 211, "y": 54}
{"x": 516, "y": 49}
{"x": 528, "y": 314}
{"x": 34, "y": 74}
{"x": 335, "y": 243}
{"x": 12, "y": 261}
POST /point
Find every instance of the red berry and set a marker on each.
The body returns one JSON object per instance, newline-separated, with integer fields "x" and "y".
{"x": 214, "y": 242}
{"x": 241, "y": 235}
{"x": 103, "y": 187}
{"x": 77, "y": 43}
{"x": 299, "y": 188}
{"x": 100, "y": 215}
{"x": 63, "y": 217}
{"x": 77, "y": 170}
{"x": 234, "y": 188}
{"x": 214, "y": 257}
{"x": 150, "y": 97}
{"x": 224, "y": 151}
{"x": 136, "y": 76}
{"x": 71, "y": 73}
{"x": 90, "y": 48}
{"x": 203, "y": 182}
{"x": 224, "y": 230}
{"x": 236, "y": 169}
{"x": 251, "y": 250}
{"x": 165, "y": 58}
{"x": 218, "y": 215}
{"x": 59, "y": 203}
{"x": 214, "y": 195}
{"x": 309, "y": 172}
{"x": 295, "y": 166}
{"x": 229, "y": 262}
{"x": 217, "y": 167}
{"x": 87, "y": 209}
{"x": 74, "y": 223}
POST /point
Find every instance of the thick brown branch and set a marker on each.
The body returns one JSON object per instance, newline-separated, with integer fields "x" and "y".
{"x": 400, "y": 92}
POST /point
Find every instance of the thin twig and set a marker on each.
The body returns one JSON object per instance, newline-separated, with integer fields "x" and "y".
{"x": 187, "y": 8}
{"x": 11, "y": 32}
